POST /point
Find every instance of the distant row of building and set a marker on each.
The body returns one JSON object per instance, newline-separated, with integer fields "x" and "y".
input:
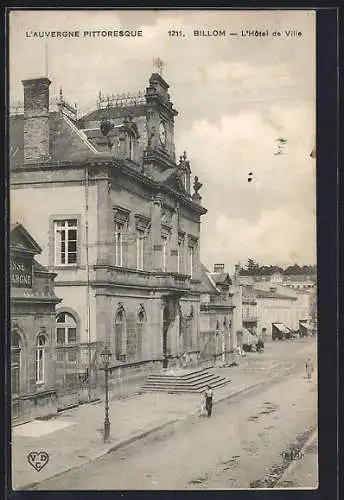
{"x": 249, "y": 308}
{"x": 114, "y": 220}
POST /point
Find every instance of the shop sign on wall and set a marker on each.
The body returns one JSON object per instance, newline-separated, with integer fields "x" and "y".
{"x": 21, "y": 273}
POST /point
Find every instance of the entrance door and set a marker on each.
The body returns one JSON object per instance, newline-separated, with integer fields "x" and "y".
{"x": 67, "y": 357}
{"x": 165, "y": 325}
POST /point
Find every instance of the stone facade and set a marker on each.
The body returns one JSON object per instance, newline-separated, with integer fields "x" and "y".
{"x": 276, "y": 306}
{"x": 33, "y": 302}
{"x": 216, "y": 314}
{"x": 120, "y": 227}
{"x": 249, "y": 309}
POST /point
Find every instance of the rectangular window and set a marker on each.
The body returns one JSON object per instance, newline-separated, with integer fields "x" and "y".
{"x": 71, "y": 335}
{"x": 39, "y": 365}
{"x": 191, "y": 260}
{"x": 118, "y": 244}
{"x": 60, "y": 355}
{"x": 66, "y": 238}
{"x": 139, "y": 249}
{"x": 71, "y": 355}
{"x": 60, "y": 336}
{"x": 164, "y": 253}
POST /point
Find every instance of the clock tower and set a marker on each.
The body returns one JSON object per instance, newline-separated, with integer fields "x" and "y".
{"x": 160, "y": 124}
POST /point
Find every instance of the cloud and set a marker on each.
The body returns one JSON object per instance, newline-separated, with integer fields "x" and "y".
{"x": 271, "y": 218}
{"x": 278, "y": 237}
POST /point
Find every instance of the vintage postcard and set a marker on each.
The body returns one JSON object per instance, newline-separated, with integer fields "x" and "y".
{"x": 163, "y": 249}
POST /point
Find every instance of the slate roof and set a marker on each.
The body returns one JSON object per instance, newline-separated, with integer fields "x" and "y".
{"x": 22, "y": 239}
{"x": 67, "y": 142}
{"x": 113, "y": 113}
{"x": 171, "y": 178}
{"x": 221, "y": 278}
{"x": 207, "y": 284}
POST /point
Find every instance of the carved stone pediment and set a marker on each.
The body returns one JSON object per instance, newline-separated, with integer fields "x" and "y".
{"x": 120, "y": 214}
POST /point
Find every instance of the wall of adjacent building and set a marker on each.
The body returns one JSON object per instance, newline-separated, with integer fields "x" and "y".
{"x": 274, "y": 310}
{"x": 237, "y": 314}
{"x": 36, "y": 207}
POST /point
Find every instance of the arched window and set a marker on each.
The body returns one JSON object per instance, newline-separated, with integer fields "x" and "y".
{"x": 141, "y": 320}
{"x": 217, "y": 325}
{"x": 67, "y": 348}
{"x": 65, "y": 329}
{"x": 40, "y": 359}
{"x": 225, "y": 322}
{"x": 16, "y": 363}
{"x": 120, "y": 334}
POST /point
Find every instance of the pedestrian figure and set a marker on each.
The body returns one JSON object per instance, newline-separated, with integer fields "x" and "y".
{"x": 202, "y": 412}
{"x": 209, "y": 400}
{"x": 309, "y": 368}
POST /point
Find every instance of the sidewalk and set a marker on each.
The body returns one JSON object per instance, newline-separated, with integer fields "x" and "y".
{"x": 74, "y": 437}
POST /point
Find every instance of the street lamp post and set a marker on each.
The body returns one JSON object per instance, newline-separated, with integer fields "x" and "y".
{"x": 106, "y": 358}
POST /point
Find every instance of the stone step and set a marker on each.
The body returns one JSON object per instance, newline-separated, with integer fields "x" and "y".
{"x": 174, "y": 390}
{"x": 202, "y": 380}
{"x": 195, "y": 381}
{"x": 177, "y": 374}
{"x": 159, "y": 378}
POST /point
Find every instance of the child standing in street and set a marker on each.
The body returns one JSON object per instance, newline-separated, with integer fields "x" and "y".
{"x": 309, "y": 368}
{"x": 202, "y": 411}
{"x": 209, "y": 400}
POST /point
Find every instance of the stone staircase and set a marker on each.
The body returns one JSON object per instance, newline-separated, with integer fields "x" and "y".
{"x": 183, "y": 381}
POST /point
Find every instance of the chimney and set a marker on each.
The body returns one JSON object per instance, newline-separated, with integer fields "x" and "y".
{"x": 219, "y": 268}
{"x": 36, "y": 119}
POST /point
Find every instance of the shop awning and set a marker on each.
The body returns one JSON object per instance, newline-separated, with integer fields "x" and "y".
{"x": 304, "y": 323}
{"x": 282, "y": 328}
{"x": 248, "y": 338}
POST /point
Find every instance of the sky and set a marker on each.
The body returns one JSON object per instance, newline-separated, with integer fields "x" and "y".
{"x": 236, "y": 95}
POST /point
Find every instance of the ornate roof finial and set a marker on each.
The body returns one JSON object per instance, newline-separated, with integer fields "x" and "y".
{"x": 100, "y": 95}
{"x": 181, "y": 159}
{"x": 158, "y": 65}
{"x": 61, "y": 94}
{"x": 184, "y": 155}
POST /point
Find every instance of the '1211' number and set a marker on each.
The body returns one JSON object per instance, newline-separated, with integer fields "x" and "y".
{"x": 175, "y": 33}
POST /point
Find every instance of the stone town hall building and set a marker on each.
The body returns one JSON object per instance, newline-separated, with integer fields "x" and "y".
{"x": 112, "y": 210}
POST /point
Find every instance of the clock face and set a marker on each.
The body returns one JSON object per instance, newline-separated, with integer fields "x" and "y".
{"x": 162, "y": 133}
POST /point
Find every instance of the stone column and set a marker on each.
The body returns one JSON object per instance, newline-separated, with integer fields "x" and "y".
{"x": 197, "y": 260}
{"x": 131, "y": 243}
{"x": 186, "y": 255}
{"x": 105, "y": 244}
{"x": 174, "y": 242}
{"x": 156, "y": 235}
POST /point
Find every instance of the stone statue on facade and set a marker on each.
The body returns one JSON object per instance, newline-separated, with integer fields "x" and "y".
{"x": 197, "y": 185}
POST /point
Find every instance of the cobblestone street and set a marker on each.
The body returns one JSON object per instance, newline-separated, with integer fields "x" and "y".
{"x": 239, "y": 447}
